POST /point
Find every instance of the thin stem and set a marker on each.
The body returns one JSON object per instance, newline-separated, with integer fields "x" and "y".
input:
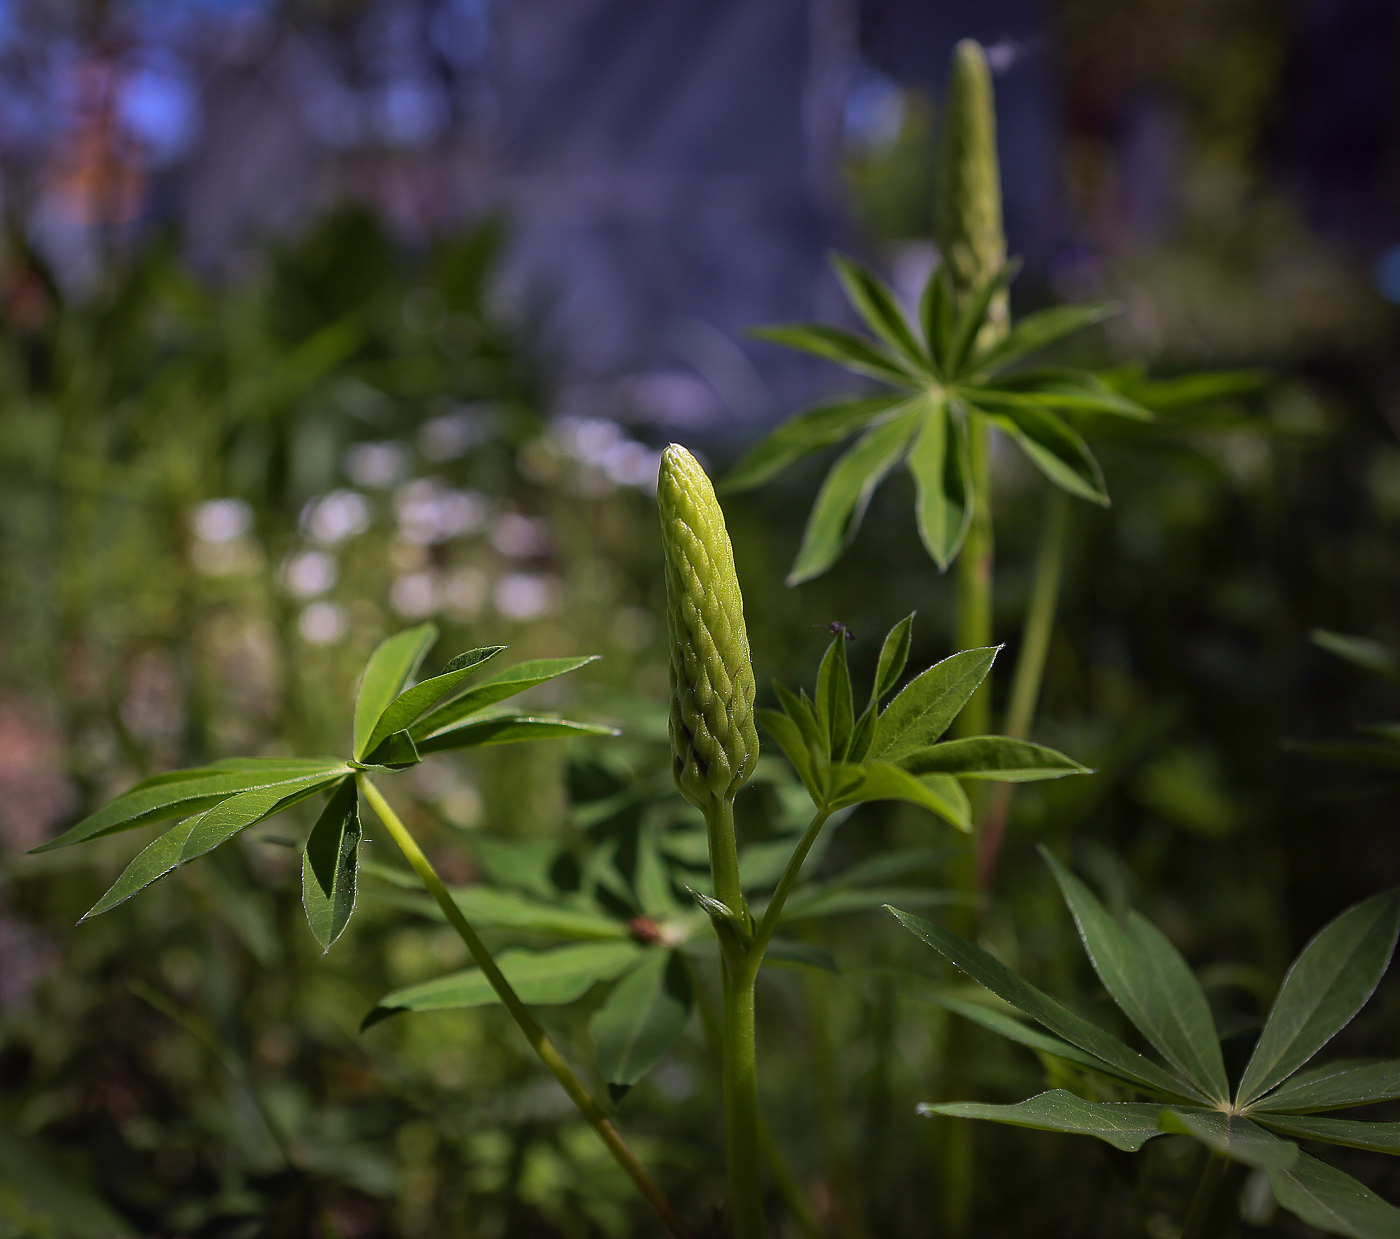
{"x": 842, "y": 1179}
{"x": 1030, "y": 667}
{"x": 974, "y": 577}
{"x": 791, "y": 872}
{"x": 534, "y": 1034}
{"x": 1204, "y": 1204}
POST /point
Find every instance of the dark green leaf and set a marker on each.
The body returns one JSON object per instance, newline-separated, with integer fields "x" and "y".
{"x": 541, "y": 978}
{"x": 1329, "y": 982}
{"x": 1325, "y": 1197}
{"x": 845, "y": 494}
{"x": 390, "y": 667}
{"x": 1126, "y": 1125}
{"x": 44, "y": 1199}
{"x": 651, "y": 881}
{"x": 1335, "y": 1086}
{"x": 235, "y": 814}
{"x": 153, "y": 861}
{"x": 928, "y": 704}
{"x": 1236, "y": 1137}
{"x": 508, "y": 728}
{"x": 1037, "y": 330}
{"x": 1353, "y": 1133}
{"x": 876, "y": 304}
{"x": 894, "y": 656}
{"x": 882, "y": 781}
{"x": 842, "y": 347}
{"x": 329, "y": 864}
{"x": 835, "y": 709}
{"x": 807, "y": 432}
{"x": 410, "y": 703}
{"x": 942, "y": 472}
{"x": 496, "y": 688}
{"x": 1148, "y": 979}
{"x": 643, "y": 1017}
{"x": 986, "y": 970}
{"x": 1361, "y": 651}
{"x": 1023, "y": 1034}
{"x": 189, "y": 791}
{"x": 1055, "y": 448}
{"x": 998, "y": 758}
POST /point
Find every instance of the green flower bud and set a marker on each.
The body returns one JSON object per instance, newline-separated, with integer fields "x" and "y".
{"x": 713, "y": 739}
{"x": 968, "y": 206}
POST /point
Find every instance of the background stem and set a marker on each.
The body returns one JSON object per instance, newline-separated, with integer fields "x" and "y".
{"x": 1201, "y": 1220}
{"x": 841, "y": 1176}
{"x": 534, "y": 1034}
{"x": 1030, "y": 669}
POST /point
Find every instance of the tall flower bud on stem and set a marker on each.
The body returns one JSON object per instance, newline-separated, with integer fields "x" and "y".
{"x": 714, "y": 746}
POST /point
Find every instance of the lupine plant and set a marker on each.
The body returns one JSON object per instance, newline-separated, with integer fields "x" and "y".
{"x": 1253, "y": 1121}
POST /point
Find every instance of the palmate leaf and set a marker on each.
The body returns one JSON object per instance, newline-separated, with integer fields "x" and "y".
{"x": 389, "y": 669}
{"x": 1054, "y": 447}
{"x": 641, "y": 1019}
{"x": 846, "y": 491}
{"x": 1334, "y": 1087}
{"x": 1153, "y": 985}
{"x": 410, "y": 703}
{"x": 996, "y": 758}
{"x": 495, "y": 688}
{"x": 807, "y": 432}
{"x": 1126, "y": 1125}
{"x": 877, "y": 305}
{"x": 1329, "y": 982}
{"x": 941, "y": 466}
{"x": 1335, "y": 1202}
{"x": 1117, "y": 1058}
{"x": 926, "y": 707}
{"x": 329, "y": 864}
{"x": 842, "y": 347}
{"x": 190, "y": 791}
{"x": 541, "y": 978}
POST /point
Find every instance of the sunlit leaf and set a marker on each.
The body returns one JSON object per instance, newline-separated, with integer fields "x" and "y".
{"x": 998, "y": 758}
{"x": 835, "y": 708}
{"x": 1054, "y": 447}
{"x": 508, "y": 728}
{"x": 390, "y": 667}
{"x": 842, "y": 347}
{"x": 505, "y": 683}
{"x": 971, "y": 319}
{"x": 926, "y": 707}
{"x": 541, "y": 978}
{"x": 153, "y": 861}
{"x": 227, "y": 818}
{"x": 882, "y": 781}
{"x": 942, "y": 470}
{"x": 1070, "y": 390}
{"x": 410, "y": 703}
{"x": 988, "y": 971}
{"x": 876, "y": 304}
{"x": 642, "y": 1018}
{"x": 894, "y": 656}
{"x": 1329, "y": 982}
{"x": 1335, "y": 1086}
{"x": 328, "y": 865}
{"x": 1149, "y": 980}
{"x": 1126, "y": 1125}
{"x": 845, "y": 494}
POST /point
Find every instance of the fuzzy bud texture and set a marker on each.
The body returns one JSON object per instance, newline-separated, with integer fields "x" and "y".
{"x": 714, "y": 743}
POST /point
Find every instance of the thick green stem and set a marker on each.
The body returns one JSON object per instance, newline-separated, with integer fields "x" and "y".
{"x": 534, "y": 1034}
{"x": 743, "y": 1145}
{"x": 1030, "y": 668}
{"x": 724, "y": 854}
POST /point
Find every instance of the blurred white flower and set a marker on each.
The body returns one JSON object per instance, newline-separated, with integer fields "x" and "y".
{"x": 429, "y": 512}
{"x": 522, "y": 596}
{"x": 322, "y": 623}
{"x": 518, "y": 537}
{"x": 454, "y": 434}
{"x": 222, "y": 520}
{"x": 464, "y": 592}
{"x": 415, "y": 594}
{"x": 308, "y": 573}
{"x": 377, "y": 465}
{"x": 334, "y": 517}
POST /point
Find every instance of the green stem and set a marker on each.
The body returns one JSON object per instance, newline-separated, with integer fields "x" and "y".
{"x": 724, "y": 854}
{"x": 791, "y": 872}
{"x": 738, "y": 1048}
{"x": 1200, "y": 1220}
{"x": 973, "y": 602}
{"x": 534, "y": 1034}
{"x": 1030, "y": 668}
